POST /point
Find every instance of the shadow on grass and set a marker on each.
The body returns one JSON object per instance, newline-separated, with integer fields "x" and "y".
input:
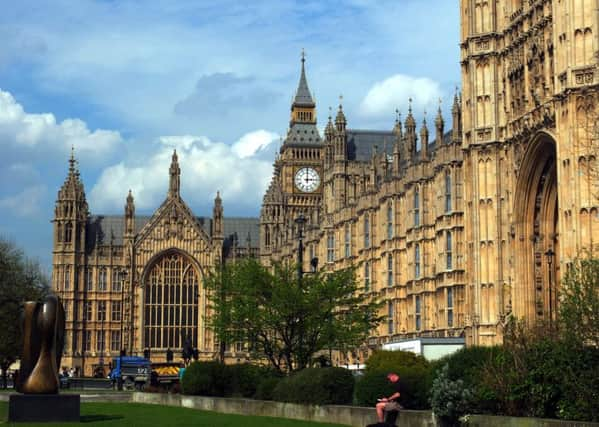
{"x": 94, "y": 418}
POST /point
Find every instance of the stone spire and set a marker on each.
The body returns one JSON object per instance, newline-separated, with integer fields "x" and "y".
{"x": 424, "y": 140}
{"x": 439, "y": 124}
{"x": 410, "y": 131}
{"x": 129, "y": 214}
{"x": 70, "y": 210}
{"x": 175, "y": 177}
{"x": 217, "y": 217}
{"x": 340, "y": 121}
{"x": 456, "y": 115}
{"x": 329, "y": 130}
{"x": 397, "y": 129}
{"x": 303, "y": 97}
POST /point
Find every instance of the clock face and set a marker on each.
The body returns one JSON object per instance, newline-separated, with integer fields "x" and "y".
{"x": 307, "y": 180}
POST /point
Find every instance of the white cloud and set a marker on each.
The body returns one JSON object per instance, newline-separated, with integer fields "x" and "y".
{"x": 385, "y": 96}
{"x": 31, "y": 131}
{"x": 206, "y": 166}
{"x": 25, "y": 203}
{"x": 253, "y": 142}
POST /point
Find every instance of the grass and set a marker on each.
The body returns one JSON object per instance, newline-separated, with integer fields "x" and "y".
{"x": 139, "y": 414}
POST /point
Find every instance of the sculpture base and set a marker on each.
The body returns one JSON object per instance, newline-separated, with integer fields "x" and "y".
{"x": 43, "y": 408}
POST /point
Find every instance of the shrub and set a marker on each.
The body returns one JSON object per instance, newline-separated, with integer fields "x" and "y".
{"x": 317, "y": 386}
{"x": 204, "y": 378}
{"x": 266, "y": 387}
{"x": 382, "y": 360}
{"x": 450, "y": 399}
{"x": 242, "y": 379}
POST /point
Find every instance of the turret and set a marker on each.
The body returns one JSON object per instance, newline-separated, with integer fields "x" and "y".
{"x": 303, "y": 108}
{"x": 129, "y": 215}
{"x": 410, "y": 132}
{"x": 397, "y": 144}
{"x": 424, "y": 140}
{"x": 340, "y": 137}
{"x": 439, "y": 124}
{"x": 329, "y": 133}
{"x": 217, "y": 218}
{"x": 175, "y": 177}
{"x": 456, "y": 114}
{"x": 70, "y": 212}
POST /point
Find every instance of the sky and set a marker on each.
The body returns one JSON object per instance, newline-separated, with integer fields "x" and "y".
{"x": 125, "y": 82}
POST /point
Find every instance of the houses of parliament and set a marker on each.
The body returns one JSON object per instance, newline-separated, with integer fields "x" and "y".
{"x": 457, "y": 229}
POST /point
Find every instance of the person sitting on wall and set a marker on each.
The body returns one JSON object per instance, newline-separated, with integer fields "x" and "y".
{"x": 391, "y": 403}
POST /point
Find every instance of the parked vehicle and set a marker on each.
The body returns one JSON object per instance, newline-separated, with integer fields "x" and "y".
{"x": 165, "y": 374}
{"x": 134, "y": 371}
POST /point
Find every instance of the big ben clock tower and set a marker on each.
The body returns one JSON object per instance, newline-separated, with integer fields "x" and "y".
{"x": 301, "y": 153}
{"x": 296, "y": 186}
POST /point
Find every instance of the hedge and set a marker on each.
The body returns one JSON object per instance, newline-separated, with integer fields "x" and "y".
{"x": 317, "y": 386}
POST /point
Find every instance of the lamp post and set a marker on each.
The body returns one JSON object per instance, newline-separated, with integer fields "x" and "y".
{"x": 550, "y": 255}
{"x": 300, "y": 221}
{"x": 121, "y": 350}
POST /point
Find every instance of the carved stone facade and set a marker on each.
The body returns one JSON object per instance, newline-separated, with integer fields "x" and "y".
{"x": 459, "y": 232}
{"x": 136, "y": 282}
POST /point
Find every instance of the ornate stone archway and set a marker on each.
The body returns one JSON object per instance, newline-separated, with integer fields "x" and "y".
{"x": 536, "y": 260}
{"x": 172, "y": 300}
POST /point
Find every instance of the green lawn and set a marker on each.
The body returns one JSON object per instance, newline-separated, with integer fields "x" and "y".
{"x": 138, "y": 414}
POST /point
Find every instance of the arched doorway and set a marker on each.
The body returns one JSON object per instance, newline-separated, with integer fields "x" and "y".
{"x": 171, "y": 309}
{"x": 536, "y": 259}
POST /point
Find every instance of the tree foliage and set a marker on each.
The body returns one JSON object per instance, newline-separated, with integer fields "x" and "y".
{"x": 579, "y": 302}
{"x": 287, "y": 321}
{"x": 21, "y": 279}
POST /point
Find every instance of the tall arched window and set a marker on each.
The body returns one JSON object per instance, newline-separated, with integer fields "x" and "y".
{"x": 417, "y": 207}
{"x": 267, "y": 236}
{"x": 449, "y": 246}
{"x": 347, "y": 240}
{"x": 367, "y": 277}
{"x": 389, "y": 221}
{"x": 447, "y": 192}
{"x": 417, "y": 261}
{"x": 366, "y": 231}
{"x": 171, "y": 309}
{"x": 68, "y": 234}
{"x": 390, "y": 270}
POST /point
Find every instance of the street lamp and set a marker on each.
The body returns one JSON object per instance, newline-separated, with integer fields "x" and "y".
{"x": 300, "y": 221}
{"x": 121, "y": 350}
{"x": 550, "y": 255}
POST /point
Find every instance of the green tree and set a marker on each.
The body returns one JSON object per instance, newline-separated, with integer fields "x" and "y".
{"x": 579, "y": 302}
{"x": 285, "y": 320}
{"x": 21, "y": 279}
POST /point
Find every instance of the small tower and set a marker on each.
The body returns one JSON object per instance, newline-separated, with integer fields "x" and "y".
{"x": 329, "y": 133}
{"x": 70, "y": 212}
{"x": 397, "y": 144}
{"x": 424, "y": 140}
{"x": 175, "y": 177}
{"x": 217, "y": 218}
{"x": 439, "y": 124}
{"x": 456, "y": 115}
{"x": 410, "y": 133}
{"x": 340, "y": 137}
{"x": 129, "y": 216}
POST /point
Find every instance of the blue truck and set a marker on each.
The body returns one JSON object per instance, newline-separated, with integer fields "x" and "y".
{"x": 135, "y": 371}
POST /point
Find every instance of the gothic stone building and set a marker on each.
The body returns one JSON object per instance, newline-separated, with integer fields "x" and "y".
{"x": 456, "y": 231}
{"x": 136, "y": 282}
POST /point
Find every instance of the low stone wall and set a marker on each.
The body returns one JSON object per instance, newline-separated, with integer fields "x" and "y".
{"x": 347, "y": 415}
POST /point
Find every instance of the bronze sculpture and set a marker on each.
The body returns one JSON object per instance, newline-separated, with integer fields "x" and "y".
{"x": 43, "y": 341}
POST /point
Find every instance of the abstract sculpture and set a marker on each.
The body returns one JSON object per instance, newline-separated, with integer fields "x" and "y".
{"x": 43, "y": 341}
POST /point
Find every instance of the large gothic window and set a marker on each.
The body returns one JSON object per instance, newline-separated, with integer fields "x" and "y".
{"x": 171, "y": 309}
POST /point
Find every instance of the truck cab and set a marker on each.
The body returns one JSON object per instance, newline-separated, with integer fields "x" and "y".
{"x": 134, "y": 371}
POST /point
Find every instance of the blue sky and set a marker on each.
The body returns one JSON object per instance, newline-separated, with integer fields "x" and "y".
{"x": 125, "y": 82}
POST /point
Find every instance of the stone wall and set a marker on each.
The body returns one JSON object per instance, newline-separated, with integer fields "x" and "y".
{"x": 348, "y": 415}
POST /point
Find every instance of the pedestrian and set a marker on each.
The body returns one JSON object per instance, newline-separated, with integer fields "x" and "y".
{"x": 391, "y": 403}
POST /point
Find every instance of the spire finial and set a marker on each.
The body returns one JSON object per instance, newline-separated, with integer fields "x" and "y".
{"x": 72, "y": 160}
{"x": 330, "y": 113}
{"x": 303, "y": 56}
{"x": 340, "y": 101}
{"x": 424, "y": 117}
{"x": 410, "y": 105}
